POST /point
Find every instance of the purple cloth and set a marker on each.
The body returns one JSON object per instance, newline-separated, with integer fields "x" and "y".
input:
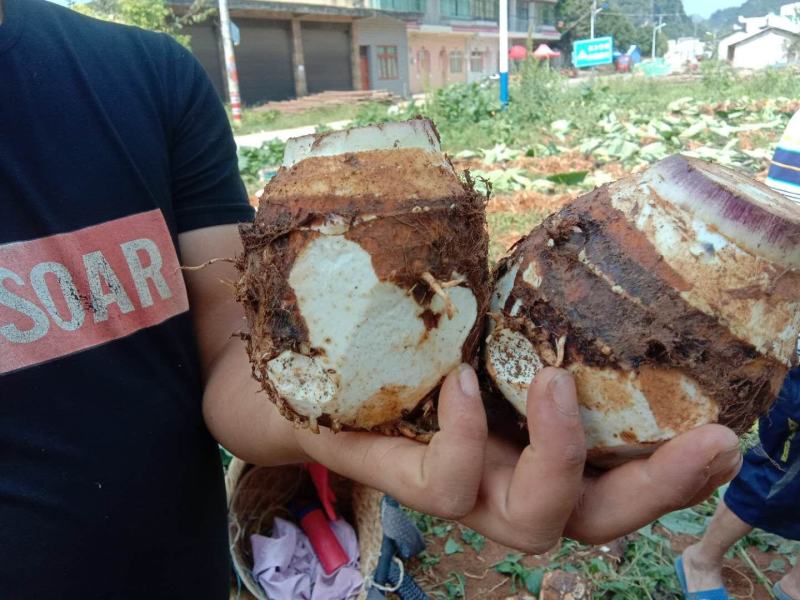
{"x": 287, "y": 569}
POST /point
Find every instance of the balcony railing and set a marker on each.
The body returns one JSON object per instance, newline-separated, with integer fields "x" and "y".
{"x": 404, "y": 6}
{"x": 517, "y": 25}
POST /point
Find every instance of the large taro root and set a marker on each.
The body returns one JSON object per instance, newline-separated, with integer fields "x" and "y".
{"x": 364, "y": 279}
{"x": 672, "y": 296}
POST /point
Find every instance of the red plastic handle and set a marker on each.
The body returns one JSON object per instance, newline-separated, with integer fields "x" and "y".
{"x": 321, "y": 478}
{"x": 326, "y": 545}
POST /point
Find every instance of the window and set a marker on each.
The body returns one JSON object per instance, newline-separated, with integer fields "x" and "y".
{"x": 387, "y": 62}
{"x": 545, "y": 15}
{"x": 522, "y": 10}
{"x": 458, "y": 9}
{"x": 456, "y": 61}
{"x": 521, "y": 21}
{"x": 400, "y": 5}
{"x": 485, "y": 10}
{"x": 476, "y": 61}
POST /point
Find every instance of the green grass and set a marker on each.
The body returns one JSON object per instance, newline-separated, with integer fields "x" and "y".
{"x": 503, "y": 226}
{"x": 260, "y": 120}
{"x": 469, "y": 116}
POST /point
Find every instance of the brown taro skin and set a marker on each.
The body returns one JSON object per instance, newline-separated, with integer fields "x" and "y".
{"x": 597, "y": 290}
{"x": 415, "y": 217}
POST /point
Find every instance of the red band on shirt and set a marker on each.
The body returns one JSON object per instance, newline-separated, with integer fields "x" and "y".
{"x": 72, "y": 291}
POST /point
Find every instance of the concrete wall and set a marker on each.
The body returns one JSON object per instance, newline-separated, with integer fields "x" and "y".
{"x": 384, "y": 31}
{"x": 765, "y": 50}
{"x": 429, "y": 58}
{"x": 727, "y": 42}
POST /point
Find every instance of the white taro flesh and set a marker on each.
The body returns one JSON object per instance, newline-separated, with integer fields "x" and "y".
{"x": 364, "y": 279}
{"x": 673, "y": 296}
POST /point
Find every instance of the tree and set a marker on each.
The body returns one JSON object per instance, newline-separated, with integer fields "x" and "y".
{"x": 644, "y": 13}
{"x": 154, "y": 15}
{"x": 625, "y": 20}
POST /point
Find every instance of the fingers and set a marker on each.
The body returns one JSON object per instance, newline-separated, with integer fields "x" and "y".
{"x": 527, "y": 505}
{"x": 441, "y": 478}
{"x": 556, "y": 455}
{"x": 453, "y": 462}
{"x": 680, "y": 473}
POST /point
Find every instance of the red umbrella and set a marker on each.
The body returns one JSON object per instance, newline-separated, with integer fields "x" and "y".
{"x": 544, "y": 51}
{"x": 518, "y": 52}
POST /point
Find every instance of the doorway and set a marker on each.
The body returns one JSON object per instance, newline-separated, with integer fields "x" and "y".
{"x": 363, "y": 64}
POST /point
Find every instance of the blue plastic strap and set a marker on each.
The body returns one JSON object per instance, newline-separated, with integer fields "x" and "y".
{"x": 400, "y": 538}
{"x": 399, "y": 527}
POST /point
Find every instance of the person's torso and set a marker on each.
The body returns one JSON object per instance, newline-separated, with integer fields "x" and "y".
{"x": 109, "y": 481}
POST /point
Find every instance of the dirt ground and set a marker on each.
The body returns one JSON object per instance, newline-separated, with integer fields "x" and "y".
{"x": 483, "y": 582}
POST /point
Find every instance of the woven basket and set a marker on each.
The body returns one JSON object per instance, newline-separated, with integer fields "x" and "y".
{"x": 256, "y": 495}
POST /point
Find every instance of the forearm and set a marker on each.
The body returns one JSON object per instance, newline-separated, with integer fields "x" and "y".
{"x": 240, "y": 416}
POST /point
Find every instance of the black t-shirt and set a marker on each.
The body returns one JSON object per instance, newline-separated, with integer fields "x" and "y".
{"x": 112, "y": 142}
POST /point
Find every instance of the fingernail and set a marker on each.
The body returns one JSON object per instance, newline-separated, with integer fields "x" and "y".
{"x": 724, "y": 461}
{"x": 562, "y": 391}
{"x": 468, "y": 381}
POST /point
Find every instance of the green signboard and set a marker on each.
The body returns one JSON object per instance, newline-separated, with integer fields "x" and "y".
{"x": 593, "y": 53}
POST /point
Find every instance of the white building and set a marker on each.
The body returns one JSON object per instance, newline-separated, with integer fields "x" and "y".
{"x": 763, "y": 41}
{"x": 683, "y": 52}
{"x": 767, "y": 48}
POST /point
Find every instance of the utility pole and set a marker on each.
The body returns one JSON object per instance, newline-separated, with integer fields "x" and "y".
{"x": 504, "y": 53}
{"x": 594, "y": 14}
{"x": 230, "y": 63}
{"x": 656, "y": 29}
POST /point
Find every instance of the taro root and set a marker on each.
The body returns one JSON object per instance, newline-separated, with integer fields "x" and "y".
{"x": 364, "y": 279}
{"x": 672, "y": 296}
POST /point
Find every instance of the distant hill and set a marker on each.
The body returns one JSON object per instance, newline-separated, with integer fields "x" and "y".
{"x": 629, "y": 21}
{"x": 679, "y": 24}
{"x": 724, "y": 20}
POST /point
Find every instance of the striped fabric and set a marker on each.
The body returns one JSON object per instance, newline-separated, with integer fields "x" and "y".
{"x": 784, "y": 172}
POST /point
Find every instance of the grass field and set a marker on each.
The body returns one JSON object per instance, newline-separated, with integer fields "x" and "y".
{"x": 254, "y": 120}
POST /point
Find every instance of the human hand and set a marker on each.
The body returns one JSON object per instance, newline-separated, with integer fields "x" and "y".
{"x": 530, "y": 498}
{"x": 441, "y": 478}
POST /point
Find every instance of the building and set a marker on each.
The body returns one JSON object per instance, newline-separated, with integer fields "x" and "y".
{"x": 683, "y": 52}
{"x": 289, "y": 49}
{"x": 458, "y": 40}
{"x": 772, "y": 46}
{"x": 763, "y": 41}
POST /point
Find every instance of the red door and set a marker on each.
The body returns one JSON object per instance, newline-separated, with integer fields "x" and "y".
{"x": 363, "y": 62}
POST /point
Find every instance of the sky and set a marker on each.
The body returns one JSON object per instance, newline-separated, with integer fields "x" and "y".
{"x": 704, "y": 8}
